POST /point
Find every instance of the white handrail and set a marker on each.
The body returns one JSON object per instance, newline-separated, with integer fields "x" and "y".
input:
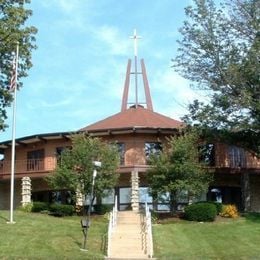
{"x": 148, "y": 231}
{"x": 111, "y": 225}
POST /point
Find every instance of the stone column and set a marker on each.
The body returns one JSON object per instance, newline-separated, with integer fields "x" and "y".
{"x": 135, "y": 191}
{"x": 79, "y": 201}
{"x": 245, "y": 187}
{"x": 26, "y": 191}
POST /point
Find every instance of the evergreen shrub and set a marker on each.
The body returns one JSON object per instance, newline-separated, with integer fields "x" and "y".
{"x": 200, "y": 212}
{"x": 39, "y": 206}
{"x": 57, "y": 209}
{"x": 102, "y": 209}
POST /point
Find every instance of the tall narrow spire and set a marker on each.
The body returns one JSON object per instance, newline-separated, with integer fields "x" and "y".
{"x": 148, "y": 100}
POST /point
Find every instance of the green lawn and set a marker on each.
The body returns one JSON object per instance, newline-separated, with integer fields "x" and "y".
{"x": 39, "y": 236}
{"x": 224, "y": 239}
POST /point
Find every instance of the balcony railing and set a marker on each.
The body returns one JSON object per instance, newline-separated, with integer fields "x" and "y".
{"x": 29, "y": 166}
{"x": 47, "y": 164}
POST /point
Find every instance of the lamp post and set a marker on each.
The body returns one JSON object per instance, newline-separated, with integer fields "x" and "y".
{"x": 85, "y": 222}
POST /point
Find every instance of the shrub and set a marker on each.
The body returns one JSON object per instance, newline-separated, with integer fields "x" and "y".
{"x": 102, "y": 209}
{"x": 39, "y": 206}
{"x": 218, "y": 205}
{"x": 61, "y": 209}
{"x": 27, "y": 207}
{"x": 200, "y": 212}
{"x": 229, "y": 211}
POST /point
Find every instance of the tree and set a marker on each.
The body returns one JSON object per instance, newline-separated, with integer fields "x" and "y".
{"x": 74, "y": 171}
{"x": 220, "y": 53}
{"x": 13, "y": 30}
{"x": 177, "y": 169}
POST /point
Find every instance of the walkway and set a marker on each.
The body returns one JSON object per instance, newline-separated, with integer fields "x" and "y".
{"x": 126, "y": 242}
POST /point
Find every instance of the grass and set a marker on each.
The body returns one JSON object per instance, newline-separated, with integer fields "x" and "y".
{"x": 39, "y": 236}
{"x": 224, "y": 239}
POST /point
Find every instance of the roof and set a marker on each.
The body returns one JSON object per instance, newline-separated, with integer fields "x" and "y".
{"x": 134, "y": 117}
{"x": 36, "y": 138}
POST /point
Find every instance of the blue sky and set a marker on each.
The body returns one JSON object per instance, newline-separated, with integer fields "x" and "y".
{"x": 79, "y": 66}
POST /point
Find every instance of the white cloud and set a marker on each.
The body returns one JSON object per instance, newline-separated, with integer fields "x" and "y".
{"x": 111, "y": 37}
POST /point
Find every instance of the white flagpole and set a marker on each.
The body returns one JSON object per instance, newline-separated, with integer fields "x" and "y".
{"x": 11, "y": 221}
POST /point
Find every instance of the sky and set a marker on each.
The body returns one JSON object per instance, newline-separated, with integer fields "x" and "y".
{"x": 79, "y": 66}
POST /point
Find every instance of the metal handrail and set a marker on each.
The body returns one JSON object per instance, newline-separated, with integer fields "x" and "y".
{"x": 111, "y": 225}
{"x": 148, "y": 231}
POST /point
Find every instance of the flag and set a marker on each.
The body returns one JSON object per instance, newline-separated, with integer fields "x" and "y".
{"x": 13, "y": 84}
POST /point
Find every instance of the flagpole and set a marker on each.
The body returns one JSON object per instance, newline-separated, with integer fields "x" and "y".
{"x": 11, "y": 221}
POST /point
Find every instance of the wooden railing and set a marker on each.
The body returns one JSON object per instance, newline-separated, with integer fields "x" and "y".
{"x": 29, "y": 166}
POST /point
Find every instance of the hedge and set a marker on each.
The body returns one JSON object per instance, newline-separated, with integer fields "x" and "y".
{"x": 61, "y": 209}
{"x": 200, "y": 212}
{"x": 39, "y": 206}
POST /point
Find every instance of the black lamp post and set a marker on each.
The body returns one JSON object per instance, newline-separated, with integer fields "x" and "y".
{"x": 85, "y": 222}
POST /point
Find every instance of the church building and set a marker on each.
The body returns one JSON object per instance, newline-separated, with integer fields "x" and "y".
{"x": 138, "y": 131}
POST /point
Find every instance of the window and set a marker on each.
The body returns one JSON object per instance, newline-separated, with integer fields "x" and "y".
{"x": 237, "y": 156}
{"x": 121, "y": 150}
{"x": 152, "y": 148}
{"x": 207, "y": 154}
{"x": 35, "y": 160}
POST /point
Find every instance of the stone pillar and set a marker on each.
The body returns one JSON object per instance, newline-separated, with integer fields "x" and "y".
{"x": 79, "y": 199}
{"x": 135, "y": 191}
{"x": 245, "y": 185}
{"x": 26, "y": 191}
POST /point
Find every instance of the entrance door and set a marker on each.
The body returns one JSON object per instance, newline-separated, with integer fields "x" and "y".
{"x": 124, "y": 198}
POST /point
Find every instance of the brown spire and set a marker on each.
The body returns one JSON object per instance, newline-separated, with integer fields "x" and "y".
{"x": 148, "y": 100}
{"x": 126, "y": 87}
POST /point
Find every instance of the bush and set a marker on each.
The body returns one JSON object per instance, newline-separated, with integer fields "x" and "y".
{"x": 229, "y": 211}
{"x": 102, "y": 209}
{"x": 27, "y": 207}
{"x": 200, "y": 212}
{"x": 39, "y": 206}
{"x": 61, "y": 209}
{"x": 218, "y": 205}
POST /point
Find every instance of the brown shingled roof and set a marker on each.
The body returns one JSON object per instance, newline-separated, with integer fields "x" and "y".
{"x": 134, "y": 117}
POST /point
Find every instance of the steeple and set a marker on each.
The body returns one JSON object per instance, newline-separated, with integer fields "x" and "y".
{"x": 148, "y": 100}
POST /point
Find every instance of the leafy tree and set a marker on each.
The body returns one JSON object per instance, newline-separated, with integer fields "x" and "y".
{"x": 75, "y": 168}
{"x": 178, "y": 169}
{"x": 220, "y": 53}
{"x": 13, "y": 30}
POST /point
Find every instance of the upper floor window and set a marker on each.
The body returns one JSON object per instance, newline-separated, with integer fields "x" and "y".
{"x": 59, "y": 151}
{"x": 35, "y": 160}
{"x": 237, "y": 157}
{"x": 121, "y": 151}
{"x": 207, "y": 154}
{"x": 152, "y": 148}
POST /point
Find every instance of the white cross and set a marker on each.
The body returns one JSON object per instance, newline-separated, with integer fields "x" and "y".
{"x": 135, "y": 37}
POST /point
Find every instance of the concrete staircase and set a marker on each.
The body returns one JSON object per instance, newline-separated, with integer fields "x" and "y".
{"x": 126, "y": 242}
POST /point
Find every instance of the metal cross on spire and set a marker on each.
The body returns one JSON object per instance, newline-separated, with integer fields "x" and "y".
{"x": 135, "y": 37}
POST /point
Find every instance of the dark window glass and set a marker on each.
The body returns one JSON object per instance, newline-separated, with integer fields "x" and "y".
{"x": 35, "y": 160}
{"x": 207, "y": 154}
{"x": 121, "y": 150}
{"x": 152, "y": 148}
{"x": 237, "y": 156}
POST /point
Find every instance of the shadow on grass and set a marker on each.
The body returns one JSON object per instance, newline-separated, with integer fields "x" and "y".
{"x": 4, "y": 218}
{"x": 252, "y": 217}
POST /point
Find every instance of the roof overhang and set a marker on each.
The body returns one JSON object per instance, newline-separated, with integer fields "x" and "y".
{"x": 36, "y": 138}
{"x": 130, "y": 130}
